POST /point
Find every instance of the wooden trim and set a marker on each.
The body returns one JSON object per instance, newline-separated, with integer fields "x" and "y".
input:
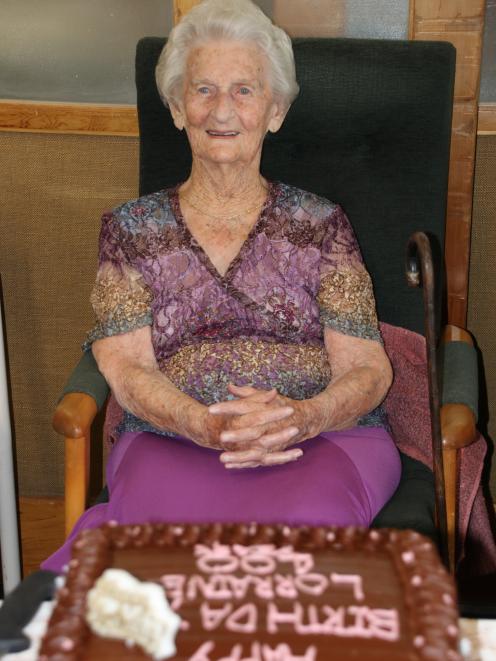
{"x": 182, "y": 7}
{"x": 411, "y": 20}
{"x": 86, "y": 118}
{"x": 460, "y": 22}
{"x": 487, "y": 119}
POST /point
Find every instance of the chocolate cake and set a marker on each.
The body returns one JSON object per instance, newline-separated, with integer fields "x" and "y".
{"x": 269, "y": 593}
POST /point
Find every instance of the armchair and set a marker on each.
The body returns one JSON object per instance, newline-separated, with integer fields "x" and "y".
{"x": 370, "y": 130}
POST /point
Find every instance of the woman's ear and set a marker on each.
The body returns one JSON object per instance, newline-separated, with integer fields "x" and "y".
{"x": 279, "y": 112}
{"x": 177, "y": 115}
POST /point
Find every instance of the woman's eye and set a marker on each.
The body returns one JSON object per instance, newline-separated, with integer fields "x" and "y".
{"x": 244, "y": 91}
{"x": 203, "y": 90}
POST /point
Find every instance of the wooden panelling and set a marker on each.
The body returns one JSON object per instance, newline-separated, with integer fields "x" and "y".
{"x": 87, "y": 118}
{"x": 449, "y": 9}
{"x": 460, "y": 22}
{"x": 487, "y": 119}
{"x": 318, "y": 18}
{"x": 182, "y": 7}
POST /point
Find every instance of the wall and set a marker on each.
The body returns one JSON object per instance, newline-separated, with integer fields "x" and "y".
{"x": 70, "y": 50}
{"x": 482, "y": 309}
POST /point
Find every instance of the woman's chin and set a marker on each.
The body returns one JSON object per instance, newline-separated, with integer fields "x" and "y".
{"x": 226, "y": 154}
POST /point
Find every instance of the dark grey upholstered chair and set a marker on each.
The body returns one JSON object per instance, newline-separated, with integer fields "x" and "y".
{"x": 371, "y": 130}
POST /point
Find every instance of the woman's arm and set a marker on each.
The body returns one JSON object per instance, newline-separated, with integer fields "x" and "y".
{"x": 128, "y": 363}
{"x": 361, "y": 377}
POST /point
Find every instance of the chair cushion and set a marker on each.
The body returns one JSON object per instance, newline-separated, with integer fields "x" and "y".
{"x": 413, "y": 503}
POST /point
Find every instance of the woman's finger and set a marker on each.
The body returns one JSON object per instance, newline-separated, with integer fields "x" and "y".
{"x": 275, "y": 458}
{"x": 270, "y": 459}
{"x": 242, "y": 456}
{"x": 253, "y": 426}
{"x": 271, "y": 441}
{"x": 250, "y": 391}
{"x": 248, "y": 464}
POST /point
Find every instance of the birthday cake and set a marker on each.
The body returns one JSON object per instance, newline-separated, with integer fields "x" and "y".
{"x": 266, "y": 593}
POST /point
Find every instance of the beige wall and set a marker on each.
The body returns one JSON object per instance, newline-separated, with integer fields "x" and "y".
{"x": 482, "y": 283}
{"x": 53, "y": 190}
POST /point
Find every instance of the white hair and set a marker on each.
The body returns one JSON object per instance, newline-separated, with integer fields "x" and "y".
{"x": 231, "y": 20}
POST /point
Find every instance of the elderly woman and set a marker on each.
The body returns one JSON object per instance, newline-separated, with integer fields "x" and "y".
{"x": 236, "y": 321}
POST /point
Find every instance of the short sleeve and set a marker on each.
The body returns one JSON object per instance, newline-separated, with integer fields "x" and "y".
{"x": 120, "y": 298}
{"x": 346, "y": 297}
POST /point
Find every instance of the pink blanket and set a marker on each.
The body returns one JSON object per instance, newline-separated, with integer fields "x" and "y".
{"x": 407, "y": 406}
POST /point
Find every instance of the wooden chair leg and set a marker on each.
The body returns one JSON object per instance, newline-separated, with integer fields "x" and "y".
{"x": 76, "y": 479}
{"x": 450, "y": 461}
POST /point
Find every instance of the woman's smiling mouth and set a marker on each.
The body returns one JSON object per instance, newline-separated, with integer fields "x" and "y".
{"x": 222, "y": 134}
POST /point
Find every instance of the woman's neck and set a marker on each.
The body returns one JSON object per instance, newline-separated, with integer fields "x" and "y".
{"x": 224, "y": 189}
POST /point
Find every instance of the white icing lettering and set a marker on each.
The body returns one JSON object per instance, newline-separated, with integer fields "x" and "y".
{"x": 216, "y": 560}
{"x": 314, "y": 584}
{"x": 385, "y": 623}
{"x": 276, "y": 617}
{"x": 283, "y": 653}
{"x": 258, "y": 559}
{"x": 350, "y": 579}
{"x": 260, "y": 564}
{"x": 335, "y": 619}
{"x": 243, "y": 619}
{"x": 263, "y": 587}
{"x": 258, "y": 652}
{"x": 174, "y": 589}
{"x": 214, "y": 587}
{"x": 359, "y": 628}
{"x": 285, "y": 587}
{"x": 202, "y": 653}
{"x": 211, "y": 618}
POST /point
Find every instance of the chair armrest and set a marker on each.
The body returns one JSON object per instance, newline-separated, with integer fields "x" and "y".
{"x": 458, "y": 427}
{"x": 87, "y": 378}
{"x": 74, "y": 415}
{"x": 459, "y": 388}
{"x": 83, "y": 396}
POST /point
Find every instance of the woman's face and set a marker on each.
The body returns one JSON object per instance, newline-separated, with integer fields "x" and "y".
{"x": 228, "y": 106}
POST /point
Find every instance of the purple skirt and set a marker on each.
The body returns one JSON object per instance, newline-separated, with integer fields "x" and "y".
{"x": 343, "y": 478}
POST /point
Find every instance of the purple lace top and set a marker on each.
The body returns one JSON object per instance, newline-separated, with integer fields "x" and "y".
{"x": 261, "y": 323}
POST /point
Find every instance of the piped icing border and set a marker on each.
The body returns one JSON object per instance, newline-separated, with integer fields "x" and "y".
{"x": 429, "y": 592}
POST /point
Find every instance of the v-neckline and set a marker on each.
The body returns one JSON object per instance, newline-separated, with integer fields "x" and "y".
{"x": 200, "y": 251}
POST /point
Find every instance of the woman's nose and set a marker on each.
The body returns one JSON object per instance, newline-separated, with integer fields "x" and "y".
{"x": 223, "y": 108}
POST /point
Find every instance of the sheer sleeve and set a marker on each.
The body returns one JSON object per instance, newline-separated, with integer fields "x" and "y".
{"x": 346, "y": 297}
{"x": 120, "y": 298}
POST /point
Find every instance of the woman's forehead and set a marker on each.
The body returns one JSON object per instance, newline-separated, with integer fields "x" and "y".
{"x": 231, "y": 59}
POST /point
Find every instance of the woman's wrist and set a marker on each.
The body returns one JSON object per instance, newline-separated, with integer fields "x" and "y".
{"x": 194, "y": 422}
{"x": 316, "y": 414}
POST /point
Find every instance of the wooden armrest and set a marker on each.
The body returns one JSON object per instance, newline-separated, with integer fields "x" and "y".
{"x": 458, "y": 421}
{"x": 72, "y": 419}
{"x": 458, "y": 429}
{"x": 74, "y": 415}
{"x": 453, "y": 333}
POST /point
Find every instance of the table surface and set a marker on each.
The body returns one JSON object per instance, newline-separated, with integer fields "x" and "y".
{"x": 477, "y": 637}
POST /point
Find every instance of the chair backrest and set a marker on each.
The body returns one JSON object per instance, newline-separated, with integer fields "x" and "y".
{"x": 370, "y": 130}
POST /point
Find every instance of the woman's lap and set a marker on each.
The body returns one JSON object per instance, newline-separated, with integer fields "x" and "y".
{"x": 343, "y": 478}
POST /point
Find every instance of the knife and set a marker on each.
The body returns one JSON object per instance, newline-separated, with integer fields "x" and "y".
{"x": 19, "y": 607}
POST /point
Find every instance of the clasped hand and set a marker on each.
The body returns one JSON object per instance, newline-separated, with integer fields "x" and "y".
{"x": 258, "y": 427}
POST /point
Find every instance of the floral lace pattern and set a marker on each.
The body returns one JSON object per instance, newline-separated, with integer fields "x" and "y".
{"x": 262, "y": 322}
